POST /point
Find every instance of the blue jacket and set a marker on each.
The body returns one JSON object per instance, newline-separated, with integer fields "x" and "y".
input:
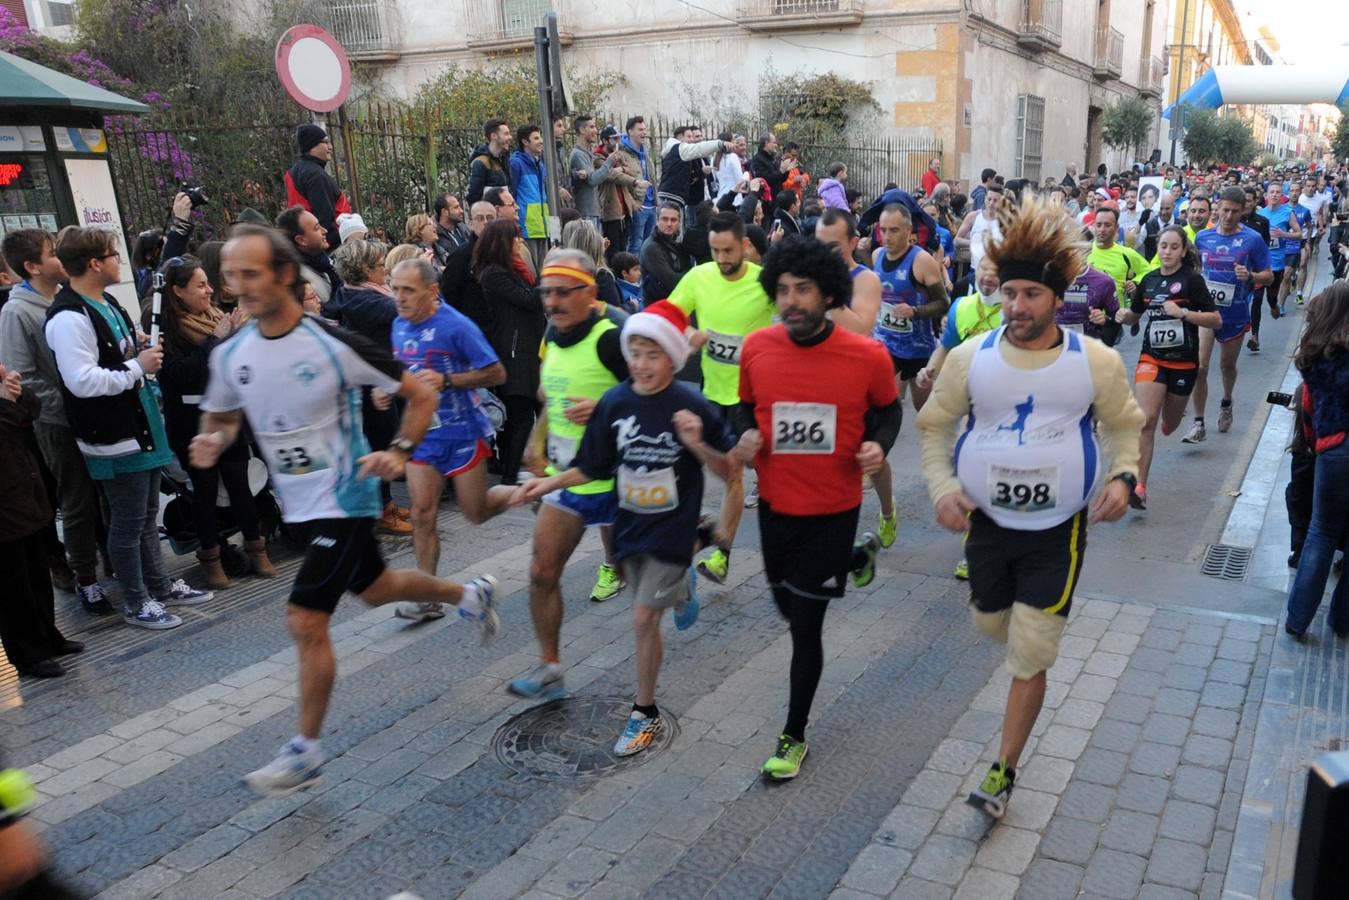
{"x": 531, "y": 194}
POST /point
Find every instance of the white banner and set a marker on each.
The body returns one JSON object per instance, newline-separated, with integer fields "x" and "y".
{"x": 96, "y": 206}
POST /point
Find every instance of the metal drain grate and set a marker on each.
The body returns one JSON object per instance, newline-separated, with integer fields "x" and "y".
{"x": 1226, "y": 561}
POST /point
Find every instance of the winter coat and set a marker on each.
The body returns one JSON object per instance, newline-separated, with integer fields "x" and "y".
{"x": 308, "y": 184}
{"x": 519, "y": 328}
{"x": 529, "y": 185}
{"x": 486, "y": 170}
{"x": 833, "y": 194}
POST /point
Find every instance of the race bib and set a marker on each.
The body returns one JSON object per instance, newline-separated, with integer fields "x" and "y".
{"x": 298, "y": 452}
{"x": 804, "y": 427}
{"x": 561, "y": 450}
{"x": 724, "y": 348}
{"x": 647, "y": 492}
{"x": 1079, "y": 328}
{"x": 892, "y": 321}
{"x": 1221, "y": 292}
{"x": 1166, "y": 334}
{"x": 1275, "y": 243}
{"x": 1023, "y": 490}
{"x": 435, "y": 421}
{"x": 1076, "y": 295}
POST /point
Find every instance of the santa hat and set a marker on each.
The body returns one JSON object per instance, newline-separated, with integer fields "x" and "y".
{"x": 664, "y": 323}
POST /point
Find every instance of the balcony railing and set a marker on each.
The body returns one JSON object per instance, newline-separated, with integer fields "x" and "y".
{"x": 1109, "y": 53}
{"x": 496, "y": 25}
{"x": 365, "y": 28}
{"x": 1153, "y": 77}
{"x": 785, "y": 15}
{"x": 1041, "y": 24}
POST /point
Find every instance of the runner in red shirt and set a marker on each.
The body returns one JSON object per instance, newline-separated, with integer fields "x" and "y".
{"x": 818, "y": 410}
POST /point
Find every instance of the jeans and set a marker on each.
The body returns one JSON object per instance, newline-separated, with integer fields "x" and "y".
{"x": 643, "y": 223}
{"x": 133, "y": 536}
{"x": 1330, "y": 517}
{"x": 80, "y": 513}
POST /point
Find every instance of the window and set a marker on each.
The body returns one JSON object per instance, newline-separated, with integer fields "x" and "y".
{"x": 60, "y": 12}
{"x": 523, "y": 16}
{"x": 1030, "y": 130}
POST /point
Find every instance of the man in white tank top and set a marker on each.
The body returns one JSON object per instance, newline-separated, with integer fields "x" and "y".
{"x": 981, "y": 226}
{"x": 1022, "y": 475}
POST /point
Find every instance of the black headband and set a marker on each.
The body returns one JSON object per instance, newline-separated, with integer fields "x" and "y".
{"x": 1033, "y": 270}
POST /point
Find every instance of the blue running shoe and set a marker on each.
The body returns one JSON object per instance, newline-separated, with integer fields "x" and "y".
{"x": 637, "y": 735}
{"x": 686, "y": 613}
{"x": 543, "y": 683}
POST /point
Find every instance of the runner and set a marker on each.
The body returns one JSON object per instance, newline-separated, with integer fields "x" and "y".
{"x": 1122, "y": 263}
{"x": 1315, "y": 205}
{"x": 445, "y": 351}
{"x": 655, "y": 434}
{"x": 837, "y": 230}
{"x": 1233, "y": 259}
{"x": 730, "y": 304}
{"x": 913, "y": 299}
{"x": 1295, "y": 257}
{"x": 1023, "y": 473}
{"x": 972, "y": 315}
{"x": 1177, "y": 304}
{"x": 584, "y": 359}
{"x": 818, "y": 409}
{"x": 1090, "y": 304}
{"x": 1282, "y": 226}
{"x": 299, "y": 381}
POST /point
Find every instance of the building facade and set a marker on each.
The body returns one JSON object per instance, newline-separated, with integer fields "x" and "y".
{"x": 1018, "y": 85}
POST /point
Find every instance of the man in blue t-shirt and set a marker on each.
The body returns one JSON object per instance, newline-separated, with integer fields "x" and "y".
{"x": 654, "y": 434}
{"x": 1234, "y": 261}
{"x": 445, "y": 350}
{"x": 1282, "y": 228}
{"x": 1296, "y": 253}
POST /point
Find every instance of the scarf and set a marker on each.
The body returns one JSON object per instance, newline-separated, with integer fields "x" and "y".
{"x": 523, "y": 270}
{"x": 372, "y": 286}
{"x": 197, "y": 327}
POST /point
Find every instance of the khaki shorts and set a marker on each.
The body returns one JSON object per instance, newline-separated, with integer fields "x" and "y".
{"x": 1031, "y": 635}
{"x": 655, "y": 583}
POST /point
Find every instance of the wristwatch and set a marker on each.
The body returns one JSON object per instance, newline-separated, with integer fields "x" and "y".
{"x": 1131, "y": 481}
{"x": 406, "y": 445}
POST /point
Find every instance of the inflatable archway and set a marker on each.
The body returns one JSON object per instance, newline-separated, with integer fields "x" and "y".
{"x": 1267, "y": 84}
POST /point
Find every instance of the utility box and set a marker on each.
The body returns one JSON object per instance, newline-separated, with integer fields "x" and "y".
{"x": 1322, "y": 871}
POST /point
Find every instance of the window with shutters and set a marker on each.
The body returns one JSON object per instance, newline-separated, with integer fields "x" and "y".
{"x": 1030, "y": 130}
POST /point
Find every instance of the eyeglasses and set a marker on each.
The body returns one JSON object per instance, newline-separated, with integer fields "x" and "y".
{"x": 563, "y": 292}
{"x": 114, "y": 255}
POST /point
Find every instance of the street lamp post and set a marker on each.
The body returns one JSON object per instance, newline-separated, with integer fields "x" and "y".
{"x": 1177, "y": 110}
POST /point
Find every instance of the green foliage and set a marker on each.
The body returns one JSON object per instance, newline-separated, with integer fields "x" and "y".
{"x": 1126, "y": 124}
{"x": 1210, "y": 138}
{"x": 462, "y": 98}
{"x": 1339, "y": 144}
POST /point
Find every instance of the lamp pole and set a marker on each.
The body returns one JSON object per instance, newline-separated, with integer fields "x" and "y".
{"x": 1177, "y": 110}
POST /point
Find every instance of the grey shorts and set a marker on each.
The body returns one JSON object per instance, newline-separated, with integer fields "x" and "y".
{"x": 655, "y": 583}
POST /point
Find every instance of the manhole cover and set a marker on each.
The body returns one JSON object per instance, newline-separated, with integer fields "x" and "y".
{"x": 1226, "y": 561}
{"x": 573, "y": 738}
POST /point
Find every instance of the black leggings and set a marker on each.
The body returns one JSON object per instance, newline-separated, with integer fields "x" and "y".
{"x": 511, "y": 441}
{"x": 1270, "y": 293}
{"x": 233, "y": 473}
{"x": 380, "y": 427}
{"x": 805, "y": 620}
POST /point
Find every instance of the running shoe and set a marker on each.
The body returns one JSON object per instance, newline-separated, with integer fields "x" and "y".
{"x": 1298, "y": 298}
{"x": 1253, "y": 345}
{"x": 864, "y": 574}
{"x": 963, "y": 570}
{"x": 419, "y": 612}
{"x": 715, "y": 566}
{"x": 607, "y": 584}
{"x": 183, "y": 594}
{"x": 992, "y": 793}
{"x": 152, "y": 615}
{"x": 785, "y": 762}
{"x": 1139, "y": 498}
{"x": 486, "y": 617}
{"x": 543, "y": 683}
{"x": 1196, "y": 434}
{"x": 686, "y": 613}
{"x": 94, "y": 599}
{"x": 1225, "y": 419}
{"x": 1279, "y": 311}
{"x": 637, "y": 734}
{"x": 752, "y": 497}
{"x": 888, "y": 528}
{"x": 293, "y": 769}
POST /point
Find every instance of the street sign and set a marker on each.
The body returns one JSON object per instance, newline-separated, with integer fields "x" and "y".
{"x": 313, "y": 68}
{"x": 559, "y": 90}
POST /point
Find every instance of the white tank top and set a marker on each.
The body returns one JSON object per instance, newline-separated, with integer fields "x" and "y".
{"x": 983, "y": 229}
{"x": 1028, "y": 456}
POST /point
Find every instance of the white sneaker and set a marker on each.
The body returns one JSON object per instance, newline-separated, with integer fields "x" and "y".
{"x": 1195, "y": 435}
{"x": 183, "y": 594}
{"x": 487, "y": 619}
{"x": 1225, "y": 419}
{"x": 419, "y": 612}
{"x": 292, "y": 770}
{"x": 752, "y": 497}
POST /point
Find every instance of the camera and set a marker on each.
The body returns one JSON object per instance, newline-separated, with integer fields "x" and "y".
{"x": 196, "y": 194}
{"x": 1278, "y": 398}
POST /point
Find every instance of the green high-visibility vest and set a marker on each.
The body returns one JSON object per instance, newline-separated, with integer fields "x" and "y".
{"x": 568, "y": 372}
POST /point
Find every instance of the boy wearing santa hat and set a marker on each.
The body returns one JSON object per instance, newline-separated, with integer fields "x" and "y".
{"x": 654, "y": 435}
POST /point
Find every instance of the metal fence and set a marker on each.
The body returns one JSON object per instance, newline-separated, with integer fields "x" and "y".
{"x": 393, "y": 160}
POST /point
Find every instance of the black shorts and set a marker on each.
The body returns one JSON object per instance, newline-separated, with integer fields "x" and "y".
{"x": 1037, "y": 568}
{"x": 1178, "y": 381}
{"x": 341, "y": 555}
{"x": 908, "y": 369}
{"x": 808, "y": 555}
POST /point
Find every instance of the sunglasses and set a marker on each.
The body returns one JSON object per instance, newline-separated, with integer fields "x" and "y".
{"x": 563, "y": 292}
